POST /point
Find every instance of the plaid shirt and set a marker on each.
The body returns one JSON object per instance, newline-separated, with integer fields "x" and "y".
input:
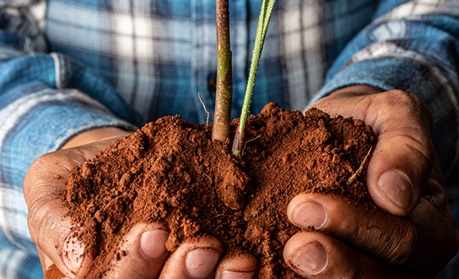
{"x": 71, "y": 65}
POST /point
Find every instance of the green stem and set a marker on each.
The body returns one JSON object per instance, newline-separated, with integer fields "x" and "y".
{"x": 224, "y": 86}
{"x": 263, "y": 21}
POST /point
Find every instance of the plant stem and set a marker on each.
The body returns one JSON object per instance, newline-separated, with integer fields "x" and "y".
{"x": 262, "y": 27}
{"x": 224, "y": 86}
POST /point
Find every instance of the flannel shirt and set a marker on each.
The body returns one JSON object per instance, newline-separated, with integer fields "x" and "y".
{"x": 71, "y": 65}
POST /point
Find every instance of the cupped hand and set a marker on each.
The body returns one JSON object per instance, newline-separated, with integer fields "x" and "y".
{"x": 57, "y": 239}
{"x": 416, "y": 236}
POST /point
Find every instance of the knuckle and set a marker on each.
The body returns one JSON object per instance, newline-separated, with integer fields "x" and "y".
{"x": 39, "y": 212}
{"x": 411, "y": 105}
{"x": 402, "y": 97}
{"x": 35, "y": 168}
{"x": 390, "y": 239}
{"x": 401, "y": 244}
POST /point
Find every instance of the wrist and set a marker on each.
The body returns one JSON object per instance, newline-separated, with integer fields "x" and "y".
{"x": 357, "y": 89}
{"x": 94, "y": 135}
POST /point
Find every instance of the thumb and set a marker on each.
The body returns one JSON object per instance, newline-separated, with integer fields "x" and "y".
{"x": 403, "y": 157}
{"x": 48, "y": 220}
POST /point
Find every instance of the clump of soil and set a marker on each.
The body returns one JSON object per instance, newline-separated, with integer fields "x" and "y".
{"x": 171, "y": 171}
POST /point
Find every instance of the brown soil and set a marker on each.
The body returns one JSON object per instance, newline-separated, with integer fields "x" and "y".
{"x": 171, "y": 171}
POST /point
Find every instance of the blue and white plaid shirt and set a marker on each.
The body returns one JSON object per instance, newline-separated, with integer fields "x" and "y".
{"x": 71, "y": 65}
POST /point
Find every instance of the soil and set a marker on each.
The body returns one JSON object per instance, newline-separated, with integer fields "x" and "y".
{"x": 172, "y": 172}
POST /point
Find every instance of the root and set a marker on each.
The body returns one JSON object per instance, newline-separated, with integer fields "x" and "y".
{"x": 359, "y": 170}
{"x": 250, "y": 140}
{"x": 210, "y": 179}
{"x": 205, "y": 109}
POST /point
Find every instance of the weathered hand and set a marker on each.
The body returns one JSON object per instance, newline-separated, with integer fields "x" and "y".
{"x": 58, "y": 245}
{"x": 417, "y": 238}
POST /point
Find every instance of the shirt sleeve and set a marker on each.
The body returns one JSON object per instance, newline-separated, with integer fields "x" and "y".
{"x": 412, "y": 46}
{"x": 45, "y": 98}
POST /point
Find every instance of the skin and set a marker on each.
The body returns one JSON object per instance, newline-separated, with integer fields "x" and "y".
{"x": 418, "y": 238}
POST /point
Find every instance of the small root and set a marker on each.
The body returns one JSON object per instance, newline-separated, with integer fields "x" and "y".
{"x": 359, "y": 170}
{"x": 250, "y": 140}
{"x": 210, "y": 179}
{"x": 218, "y": 216}
{"x": 205, "y": 109}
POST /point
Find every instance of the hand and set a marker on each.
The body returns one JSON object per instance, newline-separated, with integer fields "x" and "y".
{"x": 417, "y": 238}
{"x": 58, "y": 245}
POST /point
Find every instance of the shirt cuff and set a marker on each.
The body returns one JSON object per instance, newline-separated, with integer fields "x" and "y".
{"x": 43, "y": 122}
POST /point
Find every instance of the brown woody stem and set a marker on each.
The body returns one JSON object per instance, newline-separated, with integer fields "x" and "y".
{"x": 224, "y": 86}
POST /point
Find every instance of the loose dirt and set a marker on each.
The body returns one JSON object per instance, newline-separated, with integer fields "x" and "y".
{"x": 172, "y": 172}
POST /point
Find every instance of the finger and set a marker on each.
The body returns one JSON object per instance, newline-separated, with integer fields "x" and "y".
{"x": 49, "y": 268}
{"x": 141, "y": 254}
{"x": 58, "y": 242}
{"x": 194, "y": 259}
{"x": 240, "y": 266}
{"x": 315, "y": 255}
{"x": 403, "y": 157}
{"x": 379, "y": 234}
{"x": 49, "y": 225}
{"x": 435, "y": 221}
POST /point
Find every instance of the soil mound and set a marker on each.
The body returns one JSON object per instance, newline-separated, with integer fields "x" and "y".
{"x": 171, "y": 171}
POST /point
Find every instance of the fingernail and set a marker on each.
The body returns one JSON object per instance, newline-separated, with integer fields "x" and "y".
{"x": 309, "y": 214}
{"x": 311, "y": 259}
{"x": 228, "y": 274}
{"x": 201, "y": 262}
{"x": 153, "y": 244}
{"x": 73, "y": 252}
{"x": 396, "y": 186}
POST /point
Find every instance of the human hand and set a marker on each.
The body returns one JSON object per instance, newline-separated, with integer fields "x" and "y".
{"x": 58, "y": 245}
{"x": 417, "y": 238}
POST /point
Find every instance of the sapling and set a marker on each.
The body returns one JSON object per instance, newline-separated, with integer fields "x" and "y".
{"x": 262, "y": 27}
{"x": 222, "y": 114}
{"x": 224, "y": 86}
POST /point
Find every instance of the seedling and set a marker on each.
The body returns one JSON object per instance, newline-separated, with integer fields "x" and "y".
{"x": 224, "y": 74}
{"x": 224, "y": 86}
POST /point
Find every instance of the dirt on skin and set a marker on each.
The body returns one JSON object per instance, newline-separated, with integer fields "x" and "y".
{"x": 172, "y": 172}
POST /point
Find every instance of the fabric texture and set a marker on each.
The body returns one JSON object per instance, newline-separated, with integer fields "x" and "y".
{"x": 71, "y": 65}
